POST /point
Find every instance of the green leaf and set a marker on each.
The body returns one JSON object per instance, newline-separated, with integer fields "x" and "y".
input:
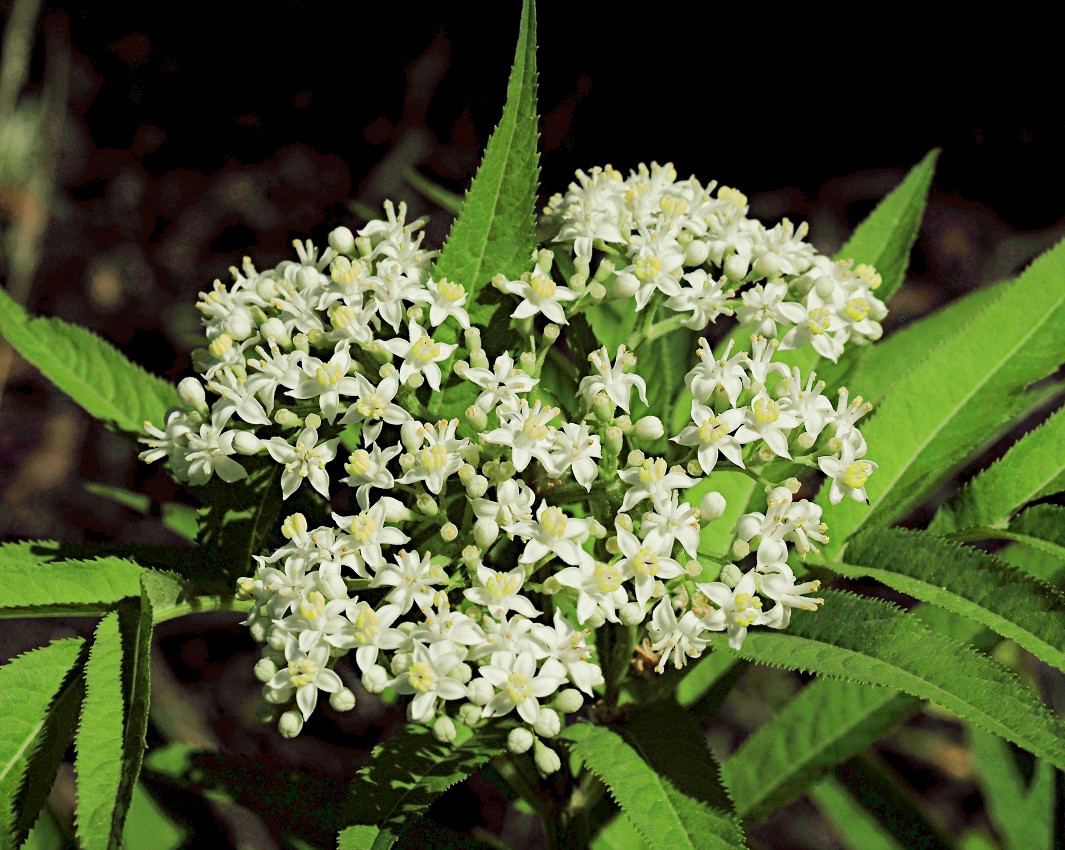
{"x": 612, "y": 322}
{"x": 235, "y": 522}
{"x": 886, "y": 237}
{"x": 856, "y": 826}
{"x": 824, "y": 724}
{"x": 147, "y": 825}
{"x": 1033, "y": 467}
{"x": 495, "y": 233}
{"x": 964, "y": 392}
{"x": 865, "y": 640}
{"x": 36, "y": 692}
{"x": 181, "y": 519}
{"x": 963, "y": 580}
{"x": 90, "y": 370}
{"x": 440, "y": 196}
{"x": 109, "y": 743}
{"x": 1042, "y": 527}
{"x": 665, "y": 816}
{"x": 618, "y": 834}
{"x": 42, "y": 584}
{"x": 1023, "y": 815}
{"x": 404, "y": 775}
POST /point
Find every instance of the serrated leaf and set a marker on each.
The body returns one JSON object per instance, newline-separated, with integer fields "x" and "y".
{"x": 1033, "y": 467}
{"x": 963, "y": 393}
{"x": 495, "y": 233}
{"x": 1023, "y": 815}
{"x": 109, "y": 745}
{"x": 95, "y": 374}
{"x": 963, "y": 580}
{"x": 235, "y": 522}
{"x": 33, "y": 706}
{"x": 618, "y": 834}
{"x": 816, "y": 730}
{"x": 1042, "y": 527}
{"x": 665, "y": 817}
{"x": 865, "y": 640}
{"x": 40, "y": 583}
{"x": 404, "y": 775}
{"x": 856, "y": 826}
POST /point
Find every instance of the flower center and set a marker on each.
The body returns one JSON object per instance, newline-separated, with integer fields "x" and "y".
{"x": 329, "y": 374}
{"x": 766, "y": 412}
{"x": 302, "y": 672}
{"x": 371, "y": 406}
{"x": 607, "y": 577}
{"x": 421, "y": 677}
{"x": 542, "y": 286}
{"x": 857, "y": 309}
{"x": 433, "y": 458}
{"x": 518, "y": 688}
{"x": 553, "y": 522}
{"x": 363, "y": 527}
{"x": 424, "y": 350}
{"x": 857, "y": 474}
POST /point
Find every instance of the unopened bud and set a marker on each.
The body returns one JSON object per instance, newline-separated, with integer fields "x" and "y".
{"x": 410, "y": 433}
{"x": 605, "y": 271}
{"x": 736, "y": 267}
{"x": 551, "y": 332}
{"x": 551, "y": 586}
{"x": 613, "y": 440}
{"x": 546, "y": 759}
{"x": 596, "y": 292}
{"x": 375, "y": 679}
{"x": 266, "y": 713}
{"x": 265, "y": 670}
{"x": 547, "y": 723}
{"x": 649, "y": 428}
{"x": 625, "y": 285}
{"x": 711, "y": 507}
{"x": 603, "y": 407}
{"x": 805, "y": 441}
{"x": 624, "y": 422}
{"x": 481, "y": 691}
{"x": 191, "y": 393}
{"x": 527, "y": 361}
{"x": 568, "y": 701}
{"x": 478, "y": 358}
{"x": 470, "y": 713}
{"x": 613, "y": 546}
{"x": 730, "y": 575}
{"x": 449, "y": 531}
{"x": 824, "y": 287}
{"x": 485, "y": 533}
{"x": 290, "y": 724}
{"x": 741, "y": 548}
{"x": 342, "y": 240}
{"x": 520, "y": 740}
{"x": 696, "y": 253}
{"x": 470, "y": 555}
{"x": 286, "y": 418}
{"x": 301, "y": 342}
{"x": 401, "y": 663}
{"x": 427, "y": 505}
{"x": 596, "y": 619}
{"x": 477, "y": 487}
{"x": 342, "y": 700}
{"x": 246, "y": 443}
{"x": 695, "y": 468}
{"x": 444, "y": 729}
{"x": 461, "y": 672}
{"x": 631, "y": 613}
{"x": 273, "y": 330}
{"x": 476, "y": 418}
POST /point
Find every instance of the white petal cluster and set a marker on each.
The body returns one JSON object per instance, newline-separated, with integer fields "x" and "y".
{"x": 487, "y": 526}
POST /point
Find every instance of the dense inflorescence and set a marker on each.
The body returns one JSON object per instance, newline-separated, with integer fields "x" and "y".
{"x": 494, "y": 522}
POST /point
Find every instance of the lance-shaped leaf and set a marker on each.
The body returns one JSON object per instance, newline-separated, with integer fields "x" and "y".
{"x": 665, "y": 816}
{"x": 1024, "y": 815}
{"x": 856, "y": 826}
{"x": 236, "y": 522}
{"x": 90, "y": 370}
{"x": 404, "y": 775}
{"x": 1033, "y": 467}
{"x": 962, "y": 394}
{"x": 109, "y": 745}
{"x": 963, "y": 580}
{"x": 31, "y": 580}
{"x": 495, "y": 233}
{"x": 865, "y": 640}
{"x": 37, "y": 691}
{"x": 1041, "y": 527}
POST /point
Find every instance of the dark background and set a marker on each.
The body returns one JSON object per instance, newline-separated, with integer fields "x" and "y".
{"x": 193, "y": 134}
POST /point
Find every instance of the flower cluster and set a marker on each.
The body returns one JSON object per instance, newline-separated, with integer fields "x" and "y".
{"x": 493, "y": 514}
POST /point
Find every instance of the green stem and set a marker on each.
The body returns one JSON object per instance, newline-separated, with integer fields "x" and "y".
{"x": 201, "y": 604}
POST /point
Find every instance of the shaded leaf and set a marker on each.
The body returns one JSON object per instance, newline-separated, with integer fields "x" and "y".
{"x": 235, "y": 522}
{"x": 856, "y": 826}
{"x": 94, "y": 373}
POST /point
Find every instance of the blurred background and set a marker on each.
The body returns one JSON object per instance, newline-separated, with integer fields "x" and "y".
{"x": 143, "y": 153}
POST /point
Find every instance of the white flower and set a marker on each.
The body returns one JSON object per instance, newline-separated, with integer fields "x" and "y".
{"x": 327, "y": 381}
{"x": 499, "y": 592}
{"x": 577, "y": 449}
{"x": 448, "y": 300}
{"x": 737, "y": 610}
{"x": 306, "y": 674}
{"x": 520, "y": 684}
{"x": 767, "y": 420}
{"x": 238, "y": 396}
{"x": 648, "y": 562}
{"x": 369, "y": 532}
{"x": 369, "y": 469}
{"x": 726, "y": 376}
{"x": 612, "y": 379}
{"x": 306, "y": 459}
{"x": 703, "y": 297}
{"x": 374, "y": 406}
{"x": 653, "y": 480}
{"x": 411, "y": 580}
{"x": 599, "y": 586}
{"x": 443, "y": 624}
{"x": 421, "y": 354}
{"x": 369, "y": 631}
{"x": 539, "y": 294}
{"x": 806, "y": 403}
{"x": 501, "y": 384}
{"x": 514, "y": 502}
{"x": 677, "y": 639}
{"x": 816, "y": 324}
{"x": 552, "y": 533}
{"x": 712, "y": 433}
{"x": 848, "y": 473}
{"x": 657, "y": 263}
{"x": 761, "y": 307}
{"x": 209, "y": 452}
{"x": 513, "y": 635}
{"x": 275, "y": 368}
{"x": 563, "y": 642}
{"x": 439, "y": 458}
{"x": 428, "y": 677}
{"x": 392, "y": 286}
{"x": 671, "y": 522}
{"x": 171, "y": 441}
{"x": 777, "y": 581}
{"x": 527, "y": 431}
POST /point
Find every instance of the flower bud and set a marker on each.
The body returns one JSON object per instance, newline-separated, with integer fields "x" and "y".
{"x": 613, "y": 440}
{"x": 342, "y": 700}
{"x": 711, "y": 507}
{"x": 507, "y": 470}
{"x": 286, "y": 418}
{"x": 546, "y": 759}
{"x": 596, "y": 619}
{"x": 191, "y": 393}
{"x": 603, "y": 407}
{"x": 730, "y": 575}
{"x": 415, "y": 380}
{"x": 649, "y": 428}
{"x": 266, "y": 288}
{"x": 290, "y": 724}
{"x": 375, "y": 679}
{"x": 736, "y": 267}
{"x": 824, "y": 287}
{"x": 265, "y": 670}
{"x": 277, "y": 639}
{"x": 476, "y": 418}
{"x": 520, "y": 740}
{"x": 461, "y": 672}
{"x": 273, "y": 330}
{"x": 741, "y": 548}
{"x": 246, "y": 443}
{"x": 449, "y": 531}
{"x": 695, "y": 468}
{"x": 470, "y": 713}
{"x": 551, "y": 586}
{"x": 471, "y": 555}
{"x": 605, "y": 271}
{"x": 596, "y": 292}
{"x": 301, "y": 342}
{"x": 239, "y": 326}
{"x": 635, "y": 458}
{"x": 485, "y": 533}
{"x": 477, "y": 487}
{"x": 479, "y": 358}
{"x": 624, "y": 422}
{"x": 568, "y": 701}
{"x": 547, "y": 724}
{"x": 693, "y": 568}
{"x": 364, "y": 245}
{"x": 578, "y": 281}
{"x": 805, "y": 441}
{"x": 473, "y": 338}
{"x": 625, "y": 285}
{"x": 401, "y": 663}
{"x": 257, "y": 629}
{"x": 527, "y": 361}
{"x": 342, "y": 240}
{"x": 444, "y": 729}
{"x": 481, "y": 691}
{"x": 410, "y": 432}
{"x": 631, "y": 613}
{"x": 696, "y": 253}
{"x": 551, "y": 332}
{"x": 623, "y": 521}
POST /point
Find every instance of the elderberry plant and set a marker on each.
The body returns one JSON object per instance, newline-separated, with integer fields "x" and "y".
{"x": 549, "y": 483}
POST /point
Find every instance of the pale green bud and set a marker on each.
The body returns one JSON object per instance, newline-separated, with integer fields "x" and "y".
{"x": 191, "y": 393}
{"x": 290, "y": 724}
{"x": 342, "y": 700}
{"x": 481, "y": 691}
{"x": 444, "y": 729}
{"x": 342, "y": 240}
{"x": 546, "y": 759}
{"x": 265, "y": 670}
{"x": 520, "y": 740}
{"x": 730, "y": 575}
{"x": 649, "y": 428}
{"x": 568, "y": 701}
{"x": 246, "y": 443}
{"x": 547, "y": 723}
{"x": 375, "y": 679}
{"x": 711, "y": 507}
